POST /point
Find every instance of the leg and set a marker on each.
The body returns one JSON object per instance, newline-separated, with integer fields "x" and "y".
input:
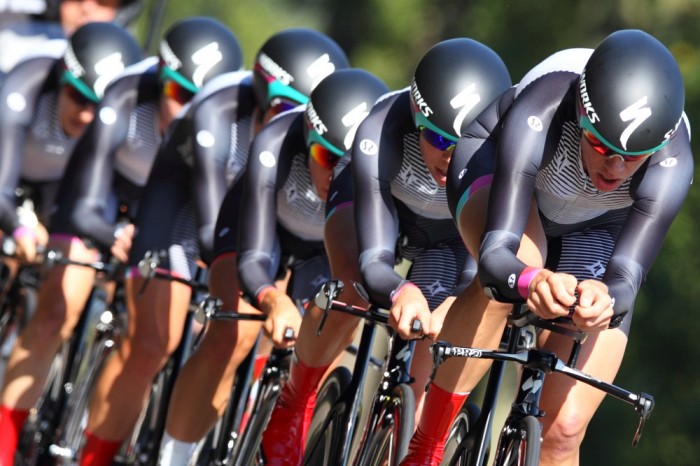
{"x": 62, "y": 297}
{"x": 284, "y": 439}
{"x": 154, "y": 331}
{"x": 203, "y": 387}
{"x": 569, "y": 404}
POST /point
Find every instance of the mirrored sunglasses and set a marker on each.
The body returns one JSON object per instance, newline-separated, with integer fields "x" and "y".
{"x": 176, "y": 91}
{"x": 323, "y": 156}
{"x": 606, "y": 151}
{"x": 437, "y": 140}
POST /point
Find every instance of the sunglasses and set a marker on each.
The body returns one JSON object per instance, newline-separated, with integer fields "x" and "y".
{"x": 437, "y": 140}
{"x": 605, "y": 151}
{"x": 323, "y": 156}
{"x": 279, "y": 105}
{"x": 176, "y": 91}
{"x": 78, "y": 97}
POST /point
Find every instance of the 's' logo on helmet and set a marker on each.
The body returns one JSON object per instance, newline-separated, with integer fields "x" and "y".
{"x": 107, "y": 69}
{"x": 465, "y": 101}
{"x": 352, "y": 120}
{"x": 205, "y": 58}
{"x": 320, "y": 68}
{"x": 638, "y": 114}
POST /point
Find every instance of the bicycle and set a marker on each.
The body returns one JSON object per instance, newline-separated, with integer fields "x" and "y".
{"x": 520, "y": 438}
{"x": 54, "y": 427}
{"x": 390, "y": 419}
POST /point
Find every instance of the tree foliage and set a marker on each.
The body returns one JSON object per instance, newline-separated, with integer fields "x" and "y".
{"x": 388, "y": 37}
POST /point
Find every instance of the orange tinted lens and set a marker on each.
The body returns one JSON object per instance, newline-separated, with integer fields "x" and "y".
{"x": 323, "y": 156}
{"x": 176, "y": 92}
{"x": 604, "y": 150}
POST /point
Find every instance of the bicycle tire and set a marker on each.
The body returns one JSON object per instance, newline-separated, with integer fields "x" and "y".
{"x": 321, "y": 438}
{"x": 249, "y": 451}
{"x": 388, "y": 444}
{"x": 520, "y": 442}
{"x": 456, "y": 452}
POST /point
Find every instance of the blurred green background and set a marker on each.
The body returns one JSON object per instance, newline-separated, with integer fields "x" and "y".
{"x": 388, "y": 37}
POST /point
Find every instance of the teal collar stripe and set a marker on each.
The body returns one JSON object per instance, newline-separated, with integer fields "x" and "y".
{"x": 421, "y": 120}
{"x": 68, "y": 78}
{"x": 585, "y": 123}
{"x": 317, "y": 138}
{"x": 277, "y": 89}
{"x": 168, "y": 73}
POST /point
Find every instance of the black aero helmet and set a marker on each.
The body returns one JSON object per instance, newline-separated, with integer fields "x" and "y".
{"x": 631, "y": 93}
{"x": 96, "y": 54}
{"x": 292, "y": 62}
{"x": 454, "y": 81}
{"x": 338, "y": 105}
{"x": 197, "y": 49}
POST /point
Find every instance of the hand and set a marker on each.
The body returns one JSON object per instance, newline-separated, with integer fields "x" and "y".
{"x": 594, "y": 309}
{"x": 409, "y": 305}
{"x": 282, "y": 314}
{"x": 438, "y": 315}
{"x": 28, "y": 240}
{"x": 122, "y": 243}
{"x": 551, "y": 294}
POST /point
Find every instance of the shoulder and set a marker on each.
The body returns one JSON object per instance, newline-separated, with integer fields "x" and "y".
{"x": 568, "y": 63}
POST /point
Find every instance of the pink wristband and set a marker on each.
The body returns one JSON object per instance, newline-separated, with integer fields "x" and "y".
{"x": 23, "y": 231}
{"x": 397, "y": 291}
{"x": 524, "y": 281}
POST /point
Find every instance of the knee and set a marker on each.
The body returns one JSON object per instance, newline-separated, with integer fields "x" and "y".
{"x": 562, "y": 437}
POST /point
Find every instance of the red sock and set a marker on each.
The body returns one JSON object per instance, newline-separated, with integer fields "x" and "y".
{"x": 97, "y": 451}
{"x": 11, "y": 422}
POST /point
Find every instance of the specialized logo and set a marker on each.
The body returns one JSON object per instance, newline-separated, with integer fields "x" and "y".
{"x": 168, "y": 56}
{"x": 270, "y": 67}
{"x": 532, "y": 385}
{"x": 205, "y": 58}
{"x": 315, "y": 120}
{"x": 597, "y": 269}
{"x": 436, "y": 288}
{"x": 107, "y": 69}
{"x": 404, "y": 354}
{"x": 637, "y": 113}
{"x": 320, "y": 68}
{"x": 352, "y": 120}
{"x": 586, "y": 101}
{"x": 422, "y": 105}
{"x": 465, "y": 101}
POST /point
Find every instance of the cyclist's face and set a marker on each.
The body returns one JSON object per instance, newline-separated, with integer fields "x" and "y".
{"x": 75, "y": 111}
{"x": 607, "y": 173}
{"x": 75, "y": 13}
{"x": 436, "y": 160}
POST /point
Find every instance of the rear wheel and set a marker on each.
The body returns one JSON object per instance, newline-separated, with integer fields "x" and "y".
{"x": 321, "y": 441}
{"x": 520, "y": 443}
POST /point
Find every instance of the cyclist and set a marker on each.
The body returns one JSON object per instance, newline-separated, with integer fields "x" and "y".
{"x": 399, "y": 162}
{"x": 204, "y": 151}
{"x": 26, "y": 24}
{"x": 287, "y": 67}
{"x": 283, "y": 204}
{"x": 49, "y": 100}
{"x": 591, "y": 167}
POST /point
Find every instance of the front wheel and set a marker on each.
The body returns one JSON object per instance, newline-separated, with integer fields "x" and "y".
{"x": 457, "y": 452}
{"x": 520, "y": 442}
{"x": 322, "y": 440}
{"x": 388, "y": 444}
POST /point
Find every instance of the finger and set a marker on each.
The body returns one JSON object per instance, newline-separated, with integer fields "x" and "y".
{"x": 562, "y": 290}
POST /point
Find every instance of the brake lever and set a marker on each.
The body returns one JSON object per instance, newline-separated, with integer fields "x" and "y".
{"x": 324, "y": 299}
{"x": 644, "y": 406}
